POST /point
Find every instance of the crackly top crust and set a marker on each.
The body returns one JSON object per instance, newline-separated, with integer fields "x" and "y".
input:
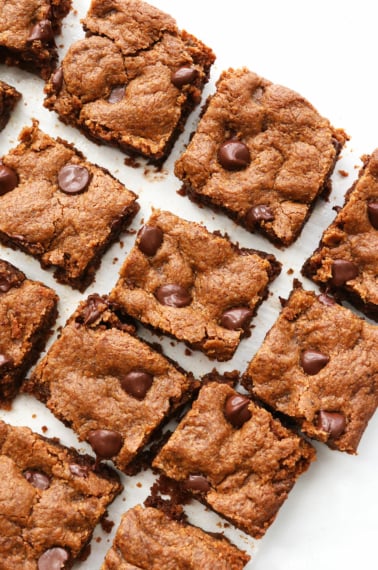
{"x": 250, "y": 470}
{"x": 168, "y": 544}
{"x": 347, "y": 384}
{"x": 218, "y": 275}
{"x": 293, "y": 150}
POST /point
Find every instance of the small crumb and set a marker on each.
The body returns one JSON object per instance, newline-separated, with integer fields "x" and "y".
{"x": 121, "y": 244}
{"x": 343, "y": 173}
{"x": 44, "y": 429}
{"x": 115, "y": 260}
{"x": 290, "y": 271}
{"x": 130, "y": 231}
{"x": 172, "y": 343}
{"x": 98, "y": 539}
{"x": 188, "y": 352}
{"x": 107, "y": 525}
{"x": 34, "y": 416}
{"x": 132, "y": 162}
{"x": 139, "y": 485}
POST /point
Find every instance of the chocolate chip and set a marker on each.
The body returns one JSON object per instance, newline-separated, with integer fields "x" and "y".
{"x": 8, "y": 179}
{"x": 312, "y": 362}
{"x": 57, "y": 79}
{"x": 4, "y": 359}
{"x": 183, "y": 76}
{"x": 236, "y": 410}
{"x": 92, "y": 310}
{"x": 236, "y": 318}
{"x": 106, "y": 443}
{"x": 260, "y": 213}
{"x": 117, "y": 94}
{"x": 37, "y": 479}
{"x": 79, "y": 470}
{"x": 42, "y": 31}
{"x": 137, "y": 383}
{"x": 343, "y": 271}
{"x": 150, "y": 239}
{"x": 5, "y": 283}
{"x": 326, "y": 300}
{"x": 53, "y": 559}
{"x": 234, "y": 155}
{"x": 197, "y": 483}
{"x": 173, "y": 295}
{"x": 332, "y": 422}
{"x": 73, "y": 179}
{"x": 373, "y": 214}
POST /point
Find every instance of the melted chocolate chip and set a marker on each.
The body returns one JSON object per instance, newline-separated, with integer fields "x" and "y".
{"x": 53, "y": 559}
{"x": 184, "y": 76}
{"x": 5, "y": 360}
{"x": 8, "y": 179}
{"x": 326, "y": 300}
{"x": 79, "y": 470}
{"x": 332, "y": 422}
{"x": 93, "y": 310}
{"x": 373, "y": 214}
{"x": 236, "y": 410}
{"x": 173, "y": 295}
{"x": 234, "y": 155}
{"x": 137, "y": 383}
{"x": 105, "y": 443}
{"x": 117, "y": 94}
{"x": 73, "y": 179}
{"x": 42, "y": 31}
{"x": 197, "y": 483}
{"x": 343, "y": 271}
{"x": 37, "y": 479}
{"x": 312, "y": 362}
{"x": 236, "y": 318}
{"x": 5, "y": 283}
{"x": 260, "y": 213}
{"x": 57, "y": 79}
{"x": 150, "y": 239}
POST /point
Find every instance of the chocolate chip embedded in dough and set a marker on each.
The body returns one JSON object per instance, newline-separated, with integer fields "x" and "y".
{"x": 333, "y": 423}
{"x": 259, "y": 213}
{"x": 236, "y": 410}
{"x": 106, "y": 443}
{"x": 117, "y": 94}
{"x": 57, "y": 79}
{"x": 137, "y": 383}
{"x": 38, "y": 479}
{"x": 312, "y": 362}
{"x": 184, "y": 76}
{"x": 326, "y": 300}
{"x": 53, "y": 559}
{"x": 79, "y": 470}
{"x": 173, "y": 295}
{"x": 73, "y": 179}
{"x": 197, "y": 483}
{"x": 8, "y": 179}
{"x": 236, "y": 318}
{"x": 373, "y": 214}
{"x": 343, "y": 271}
{"x": 150, "y": 239}
{"x": 42, "y": 31}
{"x": 234, "y": 155}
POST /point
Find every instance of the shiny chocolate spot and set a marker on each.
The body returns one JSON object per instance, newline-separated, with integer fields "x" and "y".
{"x": 106, "y": 443}
{"x": 92, "y": 310}
{"x": 234, "y": 155}
{"x": 332, "y": 422}
{"x": 53, "y": 559}
{"x": 260, "y": 213}
{"x": 4, "y": 359}
{"x": 326, "y": 300}
{"x": 312, "y": 362}
{"x": 42, "y": 31}
{"x": 117, "y": 94}
{"x": 5, "y": 283}
{"x": 197, "y": 483}
{"x": 343, "y": 271}
{"x": 150, "y": 239}
{"x": 79, "y": 470}
{"x": 184, "y": 76}
{"x": 57, "y": 79}
{"x": 373, "y": 214}
{"x": 236, "y": 318}
{"x": 73, "y": 179}
{"x": 8, "y": 179}
{"x": 37, "y": 479}
{"x": 236, "y": 410}
{"x": 173, "y": 295}
{"x": 137, "y": 383}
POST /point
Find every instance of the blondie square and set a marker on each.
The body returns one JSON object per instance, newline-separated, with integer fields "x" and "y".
{"x": 262, "y": 154}
{"x": 192, "y": 284}
{"x": 319, "y": 365}
{"x": 233, "y": 456}
{"x": 8, "y": 99}
{"x": 346, "y": 261}
{"x": 60, "y": 208}
{"x": 133, "y": 80}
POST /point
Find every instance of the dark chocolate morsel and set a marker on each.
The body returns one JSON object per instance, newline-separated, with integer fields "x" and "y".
{"x": 8, "y": 179}
{"x": 260, "y": 213}
{"x": 173, "y": 295}
{"x": 236, "y": 410}
{"x": 53, "y": 559}
{"x": 373, "y": 214}
{"x": 37, "y": 479}
{"x": 234, "y": 155}
{"x": 4, "y": 359}
{"x": 106, "y": 443}
{"x": 117, "y": 94}
{"x": 137, "y": 383}
{"x": 326, "y": 300}
{"x": 332, "y": 422}
{"x": 92, "y": 310}
{"x": 183, "y": 76}
{"x": 312, "y": 362}
{"x": 5, "y": 283}
{"x": 197, "y": 483}
{"x": 79, "y": 470}
{"x": 73, "y": 179}
{"x": 343, "y": 271}
{"x": 42, "y": 31}
{"x": 57, "y": 79}
{"x": 236, "y": 318}
{"x": 150, "y": 239}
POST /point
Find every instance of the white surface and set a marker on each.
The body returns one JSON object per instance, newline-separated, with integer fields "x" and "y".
{"x": 327, "y": 52}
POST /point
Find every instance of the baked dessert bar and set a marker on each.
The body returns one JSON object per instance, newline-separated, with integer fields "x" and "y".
{"x": 8, "y": 99}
